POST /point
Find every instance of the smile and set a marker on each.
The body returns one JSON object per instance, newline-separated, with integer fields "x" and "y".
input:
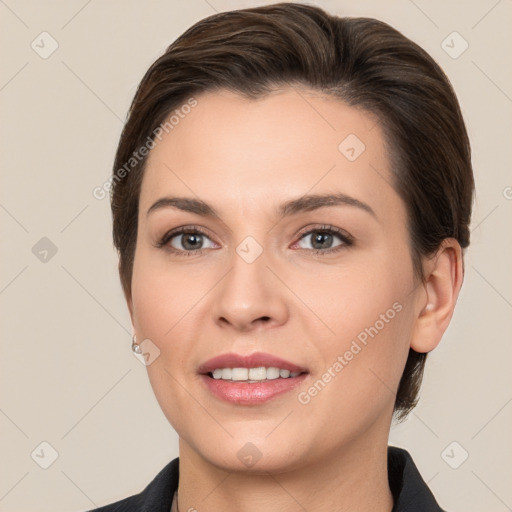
{"x": 252, "y": 379}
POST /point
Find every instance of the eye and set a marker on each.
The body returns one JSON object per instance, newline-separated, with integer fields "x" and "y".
{"x": 186, "y": 241}
{"x": 325, "y": 239}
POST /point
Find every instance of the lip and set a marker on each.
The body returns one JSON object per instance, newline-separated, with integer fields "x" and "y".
{"x": 255, "y": 360}
{"x": 247, "y": 393}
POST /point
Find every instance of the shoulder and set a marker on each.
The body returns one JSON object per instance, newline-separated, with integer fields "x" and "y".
{"x": 156, "y": 497}
{"x": 410, "y": 492}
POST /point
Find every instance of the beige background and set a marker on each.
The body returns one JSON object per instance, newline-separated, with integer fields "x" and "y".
{"x": 68, "y": 376}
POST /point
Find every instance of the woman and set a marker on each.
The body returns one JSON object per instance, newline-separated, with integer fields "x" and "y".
{"x": 291, "y": 198}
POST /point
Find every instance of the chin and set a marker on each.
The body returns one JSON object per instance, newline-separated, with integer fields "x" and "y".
{"x": 255, "y": 455}
{"x": 255, "y": 461}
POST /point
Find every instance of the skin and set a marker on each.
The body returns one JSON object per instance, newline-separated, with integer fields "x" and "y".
{"x": 245, "y": 158}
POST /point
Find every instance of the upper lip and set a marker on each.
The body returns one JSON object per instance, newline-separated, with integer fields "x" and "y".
{"x": 255, "y": 360}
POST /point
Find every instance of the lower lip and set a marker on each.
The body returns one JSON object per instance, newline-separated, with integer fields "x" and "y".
{"x": 247, "y": 393}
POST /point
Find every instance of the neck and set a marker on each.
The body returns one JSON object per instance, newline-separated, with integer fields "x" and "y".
{"x": 352, "y": 478}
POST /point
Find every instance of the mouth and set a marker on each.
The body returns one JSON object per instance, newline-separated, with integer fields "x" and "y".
{"x": 250, "y": 380}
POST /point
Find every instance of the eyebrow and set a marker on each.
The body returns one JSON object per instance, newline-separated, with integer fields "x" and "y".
{"x": 305, "y": 203}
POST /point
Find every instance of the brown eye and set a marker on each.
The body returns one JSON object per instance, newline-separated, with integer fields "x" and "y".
{"x": 187, "y": 241}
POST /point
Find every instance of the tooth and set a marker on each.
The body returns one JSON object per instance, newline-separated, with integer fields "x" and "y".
{"x": 272, "y": 373}
{"x": 259, "y": 373}
{"x": 239, "y": 373}
{"x": 252, "y": 374}
{"x": 226, "y": 373}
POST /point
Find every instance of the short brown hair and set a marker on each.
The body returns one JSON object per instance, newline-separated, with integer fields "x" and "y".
{"x": 361, "y": 61}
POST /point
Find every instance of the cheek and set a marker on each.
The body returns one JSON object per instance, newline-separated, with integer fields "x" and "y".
{"x": 167, "y": 300}
{"x": 163, "y": 297}
{"x": 163, "y": 312}
{"x": 369, "y": 315}
{"x": 350, "y": 300}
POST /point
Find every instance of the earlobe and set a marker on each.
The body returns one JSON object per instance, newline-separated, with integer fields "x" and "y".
{"x": 443, "y": 279}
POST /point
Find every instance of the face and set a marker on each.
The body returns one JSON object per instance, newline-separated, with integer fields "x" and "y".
{"x": 269, "y": 277}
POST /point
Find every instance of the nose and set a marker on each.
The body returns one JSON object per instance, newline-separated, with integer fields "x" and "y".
{"x": 249, "y": 296}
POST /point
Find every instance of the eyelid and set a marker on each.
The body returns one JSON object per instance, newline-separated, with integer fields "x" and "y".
{"x": 347, "y": 238}
{"x": 181, "y": 230}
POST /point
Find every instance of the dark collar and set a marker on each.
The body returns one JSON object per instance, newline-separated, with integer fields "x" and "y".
{"x": 410, "y": 492}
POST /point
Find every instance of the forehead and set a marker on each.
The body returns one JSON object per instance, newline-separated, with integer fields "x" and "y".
{"x": 229, "y": 149}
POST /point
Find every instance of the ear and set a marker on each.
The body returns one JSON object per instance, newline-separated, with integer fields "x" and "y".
{"x": 127, "y": 292}
{"x": 129, "y": 303}
{"x": 443, "y": 276}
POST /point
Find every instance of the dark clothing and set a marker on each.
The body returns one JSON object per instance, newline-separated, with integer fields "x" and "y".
{"x": 410, "y": 492}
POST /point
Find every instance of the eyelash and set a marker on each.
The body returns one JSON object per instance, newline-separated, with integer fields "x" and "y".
{"x": 346, "y": 239}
